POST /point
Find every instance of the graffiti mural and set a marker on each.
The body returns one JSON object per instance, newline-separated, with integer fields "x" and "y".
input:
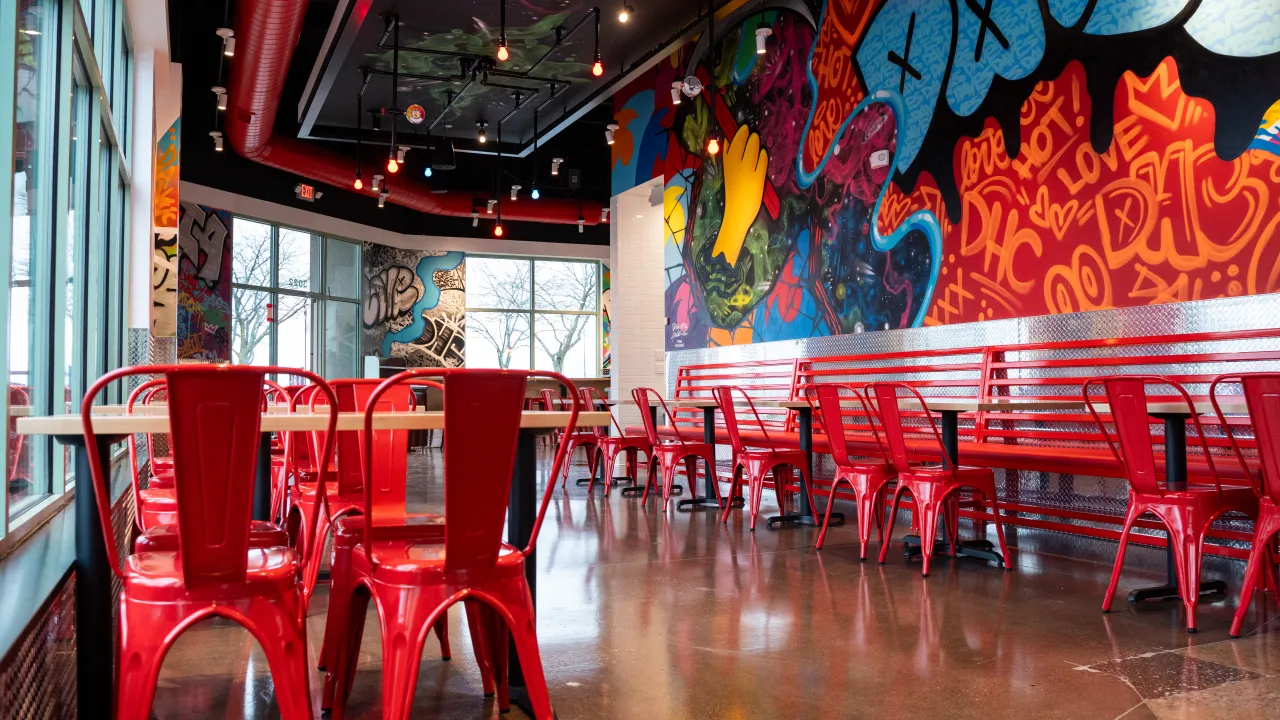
{"x": 899, "y": 163}
{"x": 414, "y": 306}
{"x": 606, "y": 327}
{"x": 164, "y": 263}
{"x": 204, "y": 284}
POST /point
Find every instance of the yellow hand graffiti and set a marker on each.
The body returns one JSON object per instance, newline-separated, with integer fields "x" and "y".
{"x": 745, "y": 167}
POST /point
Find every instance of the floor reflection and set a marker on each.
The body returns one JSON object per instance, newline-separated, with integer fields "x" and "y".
{"x": 646, "y": 614}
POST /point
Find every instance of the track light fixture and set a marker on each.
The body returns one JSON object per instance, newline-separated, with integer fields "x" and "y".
{"x": 220, "y": 93}
{"x": 217, "y": 140}
{"x": 624, "y": 14}
{"x": 481, "y": 136}
{"x": 582, "y": 222}
{"x": 555, "y": 165}
{"x": 228, "y": 41}
{"x": 609, "y": 130}
{"x": 382, "y": 198}
{"x": 515, "y": 192}
{"x": 492, "y": 203}
{"x": 401, "y": 152}
{"x": 604, "y": 214}
{"x": 377, "y": 183}
{"x": 475, "y": 218}
{"x": 762, "y": 35}
{"x": 676, "y": 96}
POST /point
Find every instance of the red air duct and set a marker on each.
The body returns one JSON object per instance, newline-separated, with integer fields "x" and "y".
{"x": 266, "y": 33}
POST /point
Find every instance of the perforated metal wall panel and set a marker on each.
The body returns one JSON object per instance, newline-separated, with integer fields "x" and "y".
{"x": 38, "y": 678}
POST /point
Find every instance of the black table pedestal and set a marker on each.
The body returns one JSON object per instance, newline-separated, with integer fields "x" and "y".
{"x": 804, "y": 416}
{"x": 709, "y": 499}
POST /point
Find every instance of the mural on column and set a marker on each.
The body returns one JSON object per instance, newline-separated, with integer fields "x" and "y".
{"x": 606, "y": 327}
{"x": 164, "y": 209}
{"x": 415, "y": 306}
{"x": 204, "y": 284}
{"x": 899, "y": 163}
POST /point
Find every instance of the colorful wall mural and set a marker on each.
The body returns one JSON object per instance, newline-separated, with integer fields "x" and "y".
{"x": 204, "y": 284}
{"x": 901, "y": 163}
{"x": 606, "y": 327}
{"x": 164, "y": 210}
{"x": 415, "y": 306}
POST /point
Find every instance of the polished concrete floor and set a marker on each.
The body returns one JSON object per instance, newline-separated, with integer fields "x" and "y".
{"x": 650, "y": 616}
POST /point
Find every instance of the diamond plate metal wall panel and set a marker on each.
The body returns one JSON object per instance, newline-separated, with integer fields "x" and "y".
{"x": 38, "y": 676}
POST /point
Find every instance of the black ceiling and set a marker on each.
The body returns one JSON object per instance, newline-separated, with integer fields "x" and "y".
{"x": 469, "y": 30}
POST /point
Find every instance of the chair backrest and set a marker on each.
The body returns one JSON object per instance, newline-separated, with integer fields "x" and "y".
{"x": 550, "y": 400}
{"x": 482, "y": 418}
{"x": 591, "y": 399}
{"x": 1262, "y": 395}
{"x": 641, "y": 397}
{"x": 832, "y": 414}
{"x": 1127, "y": 400}
{"x": 887, "y": 407}
{"x": 215, "y": 416}
{"x": 391, "y": 447}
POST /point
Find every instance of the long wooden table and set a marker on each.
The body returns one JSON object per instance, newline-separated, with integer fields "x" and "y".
{"x": 94, "y": 651}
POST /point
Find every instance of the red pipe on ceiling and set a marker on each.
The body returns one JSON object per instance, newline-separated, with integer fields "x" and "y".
{"x": 267, "y": 32}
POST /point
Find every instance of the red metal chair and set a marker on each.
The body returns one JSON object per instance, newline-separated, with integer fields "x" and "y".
{"x": 608, "y": 446}
{"x": 414, "y": 583}
{"x": 18, "y": 397}
{"x": 346, "y": 495}
{"x": 214, "y": 414}
{"x": 389, "y": 493}
{"x": 1262, "y": 395}
{"x": 868, "y": 480}
{"x": 1186, "y": 513}
{"x": 585, "y": 439}
{"x": 933, "y": 488}
{"x": 669, "y": 452}
{"x": 757, "y": 462}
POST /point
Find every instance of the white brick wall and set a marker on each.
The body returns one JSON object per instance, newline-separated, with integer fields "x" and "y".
{"x": 638, "y": 318}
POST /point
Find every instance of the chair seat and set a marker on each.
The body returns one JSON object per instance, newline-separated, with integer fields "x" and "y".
{"x": 162, "y": 571}
{"x": 161, "y": 481}
{"x": 164, "y": 538}
{"x": 416, "y": 561}
{"x": 625, "y": 441}
{"x": 937, "y": 473}
{"x": 160, "y": 499}
{"x": 673, "y": 447}
{"x": 349, "y": 529}
{"x": 772, "y": 456}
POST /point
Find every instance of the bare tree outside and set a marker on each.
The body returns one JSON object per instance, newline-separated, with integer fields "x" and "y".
{"x": 510, "y": 317}
{"x": 251, "y": 265}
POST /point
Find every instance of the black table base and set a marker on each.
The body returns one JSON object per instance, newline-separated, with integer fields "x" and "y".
{"x": 804, "y": 418}
{"x": 979, "y": 549}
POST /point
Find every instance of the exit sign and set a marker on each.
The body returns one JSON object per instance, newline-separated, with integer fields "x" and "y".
{"x": 306, "y": 192}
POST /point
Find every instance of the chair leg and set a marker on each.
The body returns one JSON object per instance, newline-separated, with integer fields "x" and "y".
{"x": 928, "y": 508}
{"x": 1187, "y": 550}
{"x": 141, "y": 654}
{"x": 712, "y": 479}
{"x": 518, "y": 603}
{"x": 867, "y": 513}
{"x": 1134, "y": 511}
{"x": 808, "y": 481}
{"x": 497, "y": 644}
{"x": 826, "y": 517}
{"x": 995, "y": 515}
{"x": 441, "y": 629}
{"x": 608, "y": 459}
{"x": 593, "y": 462}
{"x": 341, "y": 673}
{"x": 644, "y": 497}
{"x": 475, "y": 623}
{"x": 755, "y": 478}
{"x": 781, "y": 485}
{"x": 339, "y": 595}
{"x": 405, "y": 612}
{"x": 734, "y": 484}
{"x": 284, "y": 642}
{"x": 893, "y": 515}
{"x": 1253, "y": 574}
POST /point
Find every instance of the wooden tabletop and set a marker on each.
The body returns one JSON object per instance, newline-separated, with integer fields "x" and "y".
{"x": 687, "y": 403}
{"x": 283, "y": 422}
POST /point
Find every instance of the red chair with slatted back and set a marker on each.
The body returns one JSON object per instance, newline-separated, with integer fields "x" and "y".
{"x": 609, "y": 446}
{"x": 414, "y": 583}
{"x": 670, "y": 452}
{"x": 867, "y": 479}
{"x": 932, "y": 487}
{"x": 1262, "y": 396}
{"x": 756, "y": 462}
{"x": 214, "y": 421}
{"x": 1187, "y": 513}
{"x": 585, "y": 439}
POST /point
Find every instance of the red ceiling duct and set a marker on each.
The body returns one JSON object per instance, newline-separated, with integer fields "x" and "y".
{"x": 266, "y": 33}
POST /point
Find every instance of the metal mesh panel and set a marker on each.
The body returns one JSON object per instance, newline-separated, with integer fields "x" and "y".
{"x": 38, "y": 678}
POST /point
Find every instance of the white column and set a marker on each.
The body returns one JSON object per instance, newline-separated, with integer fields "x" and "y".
{"x": 142, "y": 149}
{"x": 638, "y": 289}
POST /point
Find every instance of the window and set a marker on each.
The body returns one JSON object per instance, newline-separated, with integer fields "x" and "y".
{"x": 64, "y": 241}
{"x": 294, "y": 299}
{"x": 534, "y": 314}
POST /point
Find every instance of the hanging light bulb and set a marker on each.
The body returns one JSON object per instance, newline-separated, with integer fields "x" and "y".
{"x": 762, "y": 35}
{"x": 609, "y": 130}
{"x": 392, "y": 165}
{"x": 503, "y": 53}
{"x": 598, "y": 68}
{"x": 497, "y": 230}
{"x": 228, "y": 41}
{"x": 427, "y": 172}
{"x": 217, "y": 140}
{"x": 515, "y": 192}
{"x": 713, "y": 146}
{"x": 676, "y": 96}
{"x": 359, "y": 183}
{"x": 625, "y": 13}
{"x": 220, "y": 93}
{"x": 481, "y": 136}
{"x": 536, "y": 194}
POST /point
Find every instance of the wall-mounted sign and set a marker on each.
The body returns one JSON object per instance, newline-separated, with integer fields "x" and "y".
{"x": 415, "y": 114}
{"x": 306, "y": 192}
